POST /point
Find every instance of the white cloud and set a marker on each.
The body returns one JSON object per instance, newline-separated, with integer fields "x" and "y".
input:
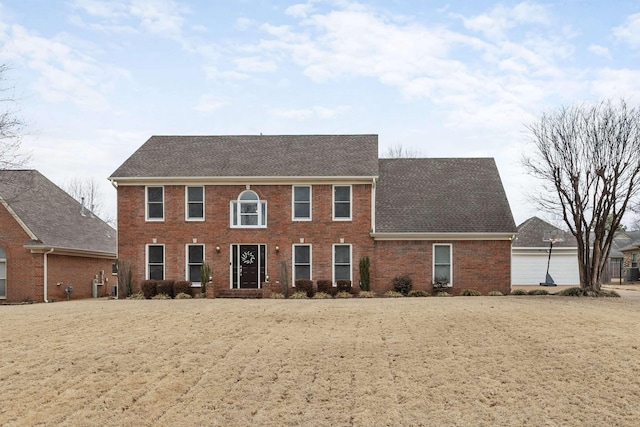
{"x": 629, "y": 32}
{"x": 612, "y": 83}
{"x": 209, "y": 103}
{"x": 213, "y": 73}
{"x": 301, "y": 10}
{"x": 495, "y": 23}
{"x": 599, "y": 50}
{"x": 315, "y": 112}
{"x": 255, "y": 65}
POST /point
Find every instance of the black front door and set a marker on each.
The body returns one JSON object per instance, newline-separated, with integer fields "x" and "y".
{"x": 249, "y": 266}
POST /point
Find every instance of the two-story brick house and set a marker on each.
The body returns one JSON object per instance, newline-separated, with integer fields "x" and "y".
{"x": 245, "y": 204}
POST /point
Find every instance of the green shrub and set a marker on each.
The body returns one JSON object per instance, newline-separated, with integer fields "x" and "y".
{"x": 183, "y": 295}
{"x": 518, "y": 292}
{"x": 325, "y": 286}
{"x": 165, "y": 287}
{"x": 443, "y": 294}
{"x": 322, "y": 295}
{"x": 161, "y": 296}
{"x": 470, "y": 293}
{"x": 149, "y": 288}
{"x": 393, "y": 294}
{"x": 343, "y": 285}
{"x": 299, "y": 295}
{"x": 182, "y": 287}
{"x": 538, "y": 292}
{"x": 365, "y": 279}
{"x": 402, "y": 284}
{"x": 343, "y": 294}
{"x": 367, "y": 294}
{"x": 573, "y": 292}
{"x": 137, "y": 295}
{"x": 304, "y": 285}
{"x": 276, "y": 295}
{"x": 609, "y": 294}
{"x": 418, "y": 293}
{"x": 495, "y": 294}
{"x": 205, "y": 276}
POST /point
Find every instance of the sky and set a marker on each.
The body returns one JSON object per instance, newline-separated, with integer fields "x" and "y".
{"x": 95, "y": 79}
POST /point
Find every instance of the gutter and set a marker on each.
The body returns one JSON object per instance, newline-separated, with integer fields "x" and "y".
{"x": 46, "y": 275}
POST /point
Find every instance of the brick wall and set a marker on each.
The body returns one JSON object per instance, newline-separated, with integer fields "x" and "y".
{"x": 79, "y": 273}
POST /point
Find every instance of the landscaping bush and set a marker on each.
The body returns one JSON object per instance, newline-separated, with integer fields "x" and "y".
{"x": 322, "y": 295}
{"x": 393, "y": 294}
{"x": 402, "y": 284}
{"x": 161, "y": 296}
{"x": 299, "y": 295}
{"x": 324, "y": 286}
{"x": 343, "y": 285}
{"x": 443, "y": 294}
{"x": 165, "y": 287}
{"x": 470, "y": 293}
{"x": 149, "y": 288}
{"x": 367, "y": 294}
{"x": 495, "y": 294}
{"x": 609, "y": 294}
{"x": 538, "y": 292}
{"x": 519, "y": 292}
{"x": 182, "y": 287}
{"x": 305, "y": 285}
{"x": 137, "y": 295}
{"x": 183, "y": 295}
{"x": 276, "y": 295}
{"x": 365, "y": 279}
{"x": 344, "y": 294}
{"x": 573, "y": 292}
{"x": 418, "y": 293}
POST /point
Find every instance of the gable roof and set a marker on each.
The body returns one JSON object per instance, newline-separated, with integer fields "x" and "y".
{"x": 531, "y": 231}
{"x": 52, "y": 217}
{"x": 441, "y": 195}
{"x": 624, "y": 241}
{"x": 253, "y": 156}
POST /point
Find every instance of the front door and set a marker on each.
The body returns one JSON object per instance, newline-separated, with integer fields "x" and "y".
{"x": 249, "y": 266}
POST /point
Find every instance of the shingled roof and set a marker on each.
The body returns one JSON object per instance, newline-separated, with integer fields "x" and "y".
{"x": 441, "y": 195}
{"x": 253, "y": 156}
{"x": 531, "y": 231}
{"x": 52, "y": 217}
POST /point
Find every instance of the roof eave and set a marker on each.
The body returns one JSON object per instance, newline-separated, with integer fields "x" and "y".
{"x": 57, "y": 250}
{"x": 443, "y": 236}
{"x": 234, "y": 180}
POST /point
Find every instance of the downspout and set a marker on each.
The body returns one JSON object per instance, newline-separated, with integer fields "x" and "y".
{"x": 373, "y": 205}
{"x": 46, "y": 276}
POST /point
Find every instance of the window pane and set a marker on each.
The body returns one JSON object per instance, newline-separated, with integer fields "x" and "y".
{"x": 248, "y": 208}
{"x": 2, "y": 254}
{"x": 301, "y": 194}
{"x": 249, "y": 195}
{"x": 155, "y": 210}
{"x": 343, "y": 272}
{"x": 3, "y": 270}
{"x": 196, "y": 254}
{"x": 249, "y": 219}
{"x": 3, "y": 288}
{"x": 442, "y": 254}
{"x": 263, "y": 218}
{"x": 342, "y": 194}
{"x": 302, "y": 255}
{"x": 195, "y": 194}
{"x": 442, "y": 272}
{"x": 302, "y": 210}
{"x": 154, "y": 194}
{"x": 303, "y": 272}
{"x": 342, "y": 255}
{"x": 234, "y": 215}
{"x": 156, "y": 254}
{"x": 194, "y": 273}
{"x": 195, "y": 210}
{"x": 156, "y": 272}
{"x": 342, "y": 210}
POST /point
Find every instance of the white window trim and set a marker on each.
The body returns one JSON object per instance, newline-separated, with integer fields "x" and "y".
{"x": 293, "y": 261}
{"x": 293, "y": 202}
{"x": 4, "y": 261}
{"x": 333, "y": 203}
{"x": 333, "y": 262}
{"x": 186, "y": 203}
{"x": 238, "y": 215}
{"x": 186, "y": 262}
{"x": 146, "y": 203}
{"x": 164, "y": 259}
{"x": 433, "y": 262}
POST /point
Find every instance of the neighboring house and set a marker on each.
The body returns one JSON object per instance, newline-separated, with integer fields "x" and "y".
{"x": 530, "y": 256}
{"x": 255, "y": 207}
{"x": 627, "y": 249}
{"x": 49, "y": 241}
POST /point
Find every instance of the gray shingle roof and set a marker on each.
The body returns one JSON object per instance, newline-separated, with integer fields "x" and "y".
{"x": 53, "y": 215}
{"x": 531, "y": 231}
{"x": 441, "y": 195}
{"x": 253, "y": 155}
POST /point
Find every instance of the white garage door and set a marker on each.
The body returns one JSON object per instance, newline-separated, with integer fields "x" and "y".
{"x": 530, "y": 269}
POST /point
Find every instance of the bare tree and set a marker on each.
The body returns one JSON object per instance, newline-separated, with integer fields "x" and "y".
{"x": 399, "y": 152}
{"x": 588, "y": 159}
{"x": 88, "y": 192}
{"x": 11, "y": 127}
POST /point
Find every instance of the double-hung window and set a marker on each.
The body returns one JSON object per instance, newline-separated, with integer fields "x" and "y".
{"x": 155, "y": 203}
{"x": 301, "y": 262}
{"x": 442, "y": 264}
{"x": 301, "y": 203}
{"x": 195, "y": 203}
{"x": 248, "y": 211}
{"x": 342, "y": 202}
{"x": 195, "y": 259}
{"x": 341, "y": 262}
{"x": 155, "y": 262}
{"x": 634, "y": 259}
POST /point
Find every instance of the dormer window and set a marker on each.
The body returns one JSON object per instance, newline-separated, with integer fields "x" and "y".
{"x": 248, "y": 211}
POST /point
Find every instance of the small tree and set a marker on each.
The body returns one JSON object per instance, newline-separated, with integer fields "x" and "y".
{"x": 125, "y": 277}
{"x": 365, "y": 283}
{"x": 588, "y": 159}
{"x": 205, "y": 277}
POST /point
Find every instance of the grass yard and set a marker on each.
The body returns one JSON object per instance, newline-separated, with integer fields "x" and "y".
{"x": 481, "y": 361}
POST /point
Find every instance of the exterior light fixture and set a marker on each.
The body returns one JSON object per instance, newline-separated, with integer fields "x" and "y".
{"x": 217, "y": 249}
{"x": 277, "y": 248}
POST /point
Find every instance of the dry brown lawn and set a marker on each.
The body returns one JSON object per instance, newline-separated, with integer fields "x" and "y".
{"x": 481, "y": 361}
